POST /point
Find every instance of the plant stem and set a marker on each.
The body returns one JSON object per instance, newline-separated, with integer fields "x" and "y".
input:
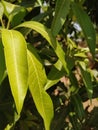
{"x": 2, "y": 23}
{"x": 8, "y": 24}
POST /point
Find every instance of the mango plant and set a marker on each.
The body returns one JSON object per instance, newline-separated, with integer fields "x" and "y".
{"x": 25, "y": 64}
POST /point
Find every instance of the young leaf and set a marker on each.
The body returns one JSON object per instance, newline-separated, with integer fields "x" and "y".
{"x": 2, "y": 62}
{"x": 61, "y": 11}
{"x": 8, "y": 8}
{"x": 87, "y": 79}
{"x": 36, "y": 81}
{"x": 14, "y": 13}
{"x": 47, "y": 34}
{"x": 16, "y": 63}
{"x": 86, "y": 26}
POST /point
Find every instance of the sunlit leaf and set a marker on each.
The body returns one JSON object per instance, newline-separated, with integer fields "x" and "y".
{"x": 40, "y": 2}
{"x": 37, "y": 80}
{"x": 14, "y": 13}
{"x": 16, "y": 63}
{"x": 86, "y": 26}
{"x": 47, "y": 34}
{"x": 8, "y": 7}
{"x": 61, "y": 11}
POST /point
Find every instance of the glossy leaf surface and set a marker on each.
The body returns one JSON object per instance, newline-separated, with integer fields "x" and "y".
{"x": 37, "y": 79}
{"x": 8, "y": 7}
{"x": 16, "y": 63}
{"x": 14, "y": 13}
{"x": 47, "y": 34}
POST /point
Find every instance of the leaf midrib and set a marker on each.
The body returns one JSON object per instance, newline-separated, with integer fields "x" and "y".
{"x": 38, "y": 81}
{"x": 15, "y": 61}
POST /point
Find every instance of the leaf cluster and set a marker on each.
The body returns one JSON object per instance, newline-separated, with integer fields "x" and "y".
{"x": 46, "y": 73}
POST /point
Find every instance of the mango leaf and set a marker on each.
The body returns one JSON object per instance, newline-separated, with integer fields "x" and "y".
{"x": 47, "y": 34}
{"x": 8, "y": 8}
{"x": 1, "y": 10}
{"x": 86, "y": 26}
{"x": 2, "y": 62}
{"x": 17, "y": 15}
{"x": 36, "y": 81}
{"x": 61, "y": 11}
{"x": 86, "y": 78}
{"x": 14, "y": 13}
{"x": 16, "y": 63}
{"x": 54, "y": 75}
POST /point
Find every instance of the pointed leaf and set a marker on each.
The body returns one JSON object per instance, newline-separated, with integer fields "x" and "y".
{"x": 14, "y": 13}
{"x": 61, "y": 11}
{"x": 86, "y": 26}
{"x": 8, "y": 7}
{"x": 16, "y": 63}
{"x": 37, "y": 79}
{"x": 40, "y": 2}
{"x": 87, "y": 79}
{"x": 2, "y": 62}
{"x": 47, "y": 34}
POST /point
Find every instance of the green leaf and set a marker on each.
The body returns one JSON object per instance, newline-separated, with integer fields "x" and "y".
{"x": 37, "y": 80}
{"x": 8, "y": 8}
{"x": 2, "y": 62}
{"x": 40, "y": 2}
{"x": 86, "y": 78}
{"x": 16, "y": 63}
{"x": 54, "y": 75}
{"x": 74, "y": 83}
{"x": 17, "y": 15}
{"x": 47, "y": 34}
{"x": 61, "y": 11}
{"x": 86, "y": 26}
{"x": 14, "y": 13}
{"x": 77, "y": 103}
{"x": 8, "y": 127}
{"x": 1, "y": 10}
